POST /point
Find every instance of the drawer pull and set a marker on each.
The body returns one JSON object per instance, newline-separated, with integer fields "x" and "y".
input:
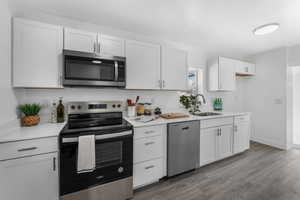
{"x": 27, "y": 149}
{"x": 148, "y": 143}
{"x": 185, "y": 128}
{"x": 149, "y": 167}
{"x": 148, "y": 132}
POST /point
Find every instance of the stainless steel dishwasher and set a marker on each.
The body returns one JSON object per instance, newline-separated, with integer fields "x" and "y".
{"x": 183, "y": 147}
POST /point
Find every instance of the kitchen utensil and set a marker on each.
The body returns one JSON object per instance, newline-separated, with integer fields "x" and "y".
{"x": 173, "y": 115}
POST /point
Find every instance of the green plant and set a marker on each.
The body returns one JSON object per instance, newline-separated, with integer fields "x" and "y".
{"x": 30, "y": 109}
{"x": 190, "y": 103}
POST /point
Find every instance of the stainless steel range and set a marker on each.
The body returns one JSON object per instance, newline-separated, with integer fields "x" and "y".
{"x": 112, "y": 177}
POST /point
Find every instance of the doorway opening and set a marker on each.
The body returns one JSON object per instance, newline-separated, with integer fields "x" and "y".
{"x": 296, "y": 105}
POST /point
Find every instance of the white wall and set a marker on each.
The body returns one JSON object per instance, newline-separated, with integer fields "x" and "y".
{"x": 8, "y": 99}
{"x": 266, "y": 98}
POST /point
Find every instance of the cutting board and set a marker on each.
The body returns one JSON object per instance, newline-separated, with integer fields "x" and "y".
{"x": 173, "y": 115}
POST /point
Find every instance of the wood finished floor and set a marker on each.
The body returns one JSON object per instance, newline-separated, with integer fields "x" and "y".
{"x": 261, "y": 173}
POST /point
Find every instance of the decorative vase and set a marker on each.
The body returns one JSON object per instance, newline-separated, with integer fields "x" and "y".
{"x": 30, "y": 120}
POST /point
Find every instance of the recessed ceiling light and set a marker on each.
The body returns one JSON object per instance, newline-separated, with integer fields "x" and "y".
{"x": 266, "y": 29}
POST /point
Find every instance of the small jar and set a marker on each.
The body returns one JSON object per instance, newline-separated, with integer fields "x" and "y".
{"x": 148, "y": 109}
{"x": 140, "y": 109}
{"x": 131, "y": 111}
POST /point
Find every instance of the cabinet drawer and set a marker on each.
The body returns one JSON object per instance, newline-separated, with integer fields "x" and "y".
{"x": 147, "y": 172}
{"x": 216, "y": 122}
{"x": 242, "y": 118}
{"x": 28, "y": 148}
{"x": 147, "y": 148}
{"x": 148, "y": 131}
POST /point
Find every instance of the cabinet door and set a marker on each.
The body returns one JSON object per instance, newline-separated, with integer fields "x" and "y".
{"x": 30, "y": 178}
{"x": 143, "y": 65}
{"x": 208, "y": 145}
{"x": 111, "y": 46}
{"x": 224, "y": 142}
{"x": 174, "y": 69}
{"x": 78, "y": 40}
{"x": 241, "y": 137}
{"x": 226, "y": 74}
{"x": 37, "y": 54}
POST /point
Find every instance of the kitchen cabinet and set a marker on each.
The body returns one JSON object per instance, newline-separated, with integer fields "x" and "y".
{"x": 215, "y": 144}
{"x": 173, "y": 69}
{"x": 216, "y": 139}
{"x": 241, "y": 133}
{"x": 224, "y": 142}
{"x": 142, "y": 65}
{"x": 221, "y": 74}
{"x": 149, "y": 156}
{"x": 37, "y": 54}
{"x": 111, "y": 46}
{"x": 105, "y": 45}
{"x": 30, "y": 178}
{"x": 244, "y": 68}
{"x": 208, "y": 145}
{"x": 79, "y": 40}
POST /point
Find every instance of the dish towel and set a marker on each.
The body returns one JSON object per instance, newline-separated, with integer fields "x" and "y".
{"x": 86, "y": 154}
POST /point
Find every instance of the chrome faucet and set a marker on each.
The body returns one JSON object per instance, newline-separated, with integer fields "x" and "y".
{"x": 203, "y": 98}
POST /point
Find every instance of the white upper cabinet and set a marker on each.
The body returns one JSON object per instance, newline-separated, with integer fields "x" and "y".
{"x": 37, "y": 54}
{"x": 142, "y": 65}
{"x": 222, "y": 75}
{"x": 245, "y": 68}
{"x": 78, "y": 40}
{"x": 173, "y": 69}
{"x": 111, "y": 46}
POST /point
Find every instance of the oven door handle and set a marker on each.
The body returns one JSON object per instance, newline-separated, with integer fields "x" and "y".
{"x": 98, "y": 137}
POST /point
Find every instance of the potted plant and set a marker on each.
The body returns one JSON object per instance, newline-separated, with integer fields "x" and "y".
{"x": 30, "y": 111}
{"x": 190, "y": 103}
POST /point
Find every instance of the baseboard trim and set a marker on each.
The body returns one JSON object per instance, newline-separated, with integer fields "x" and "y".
{"x": 269, "y": 143}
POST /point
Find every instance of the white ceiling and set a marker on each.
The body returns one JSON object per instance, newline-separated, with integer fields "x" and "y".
{"x": 216, "y": 25}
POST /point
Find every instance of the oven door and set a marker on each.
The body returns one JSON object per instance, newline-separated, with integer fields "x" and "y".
{"x": 114, "y": 160}
{"x": 93, "y": 71}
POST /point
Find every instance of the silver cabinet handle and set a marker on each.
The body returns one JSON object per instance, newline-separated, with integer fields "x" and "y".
{"x": 54, "y": 163}
{"x": 27, "y": 149}
{"x": 148, "y": 143}
{"x": 159, "y": 84}
{"x": 163, "y": 83}
{"x": 150, "y": 167}
{"x": 149, "y": 132}
{"x": 99, "y": 48}
{"x": 95, "y": 47}
{"x": 235, "y": 128}
{"x": 247, "y": 70}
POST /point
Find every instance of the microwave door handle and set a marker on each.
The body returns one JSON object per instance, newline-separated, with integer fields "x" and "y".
{"x": 99, "y": 137}
{"x": 116, "y": 71}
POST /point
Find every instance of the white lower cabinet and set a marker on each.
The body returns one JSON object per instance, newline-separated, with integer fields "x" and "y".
{"x": 216, "y": 142}
{"x": 208, "y": 145}
{"x": 147, "y": 172}
{"x": 149, "y": 155}
{"x": 241, "y": 134}
{"x": 30, "y": 178}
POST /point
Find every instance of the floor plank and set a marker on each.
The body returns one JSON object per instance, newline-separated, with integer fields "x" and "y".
{"x": 261, "y": 173}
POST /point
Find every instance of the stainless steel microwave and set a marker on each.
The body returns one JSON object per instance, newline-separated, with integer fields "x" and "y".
{"x": 89, "y": 69}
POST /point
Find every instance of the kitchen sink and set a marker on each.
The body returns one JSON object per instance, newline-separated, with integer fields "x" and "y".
{"x": 203, "y": 114}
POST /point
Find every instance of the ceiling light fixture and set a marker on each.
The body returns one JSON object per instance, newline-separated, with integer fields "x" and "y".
{"x": 266, "y": 29}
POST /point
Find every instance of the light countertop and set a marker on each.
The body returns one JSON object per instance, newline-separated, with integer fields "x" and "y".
{"x": 15, "y": 132}
{"x": 160, "y": 121}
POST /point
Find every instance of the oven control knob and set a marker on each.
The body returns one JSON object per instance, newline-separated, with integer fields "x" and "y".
{"x": 119, "y": 105}
{"x": 78, "y": 107}
{"x": 121, "y": 169}
{"x": 114, "y": 106}
{"x": 72, "y": 107}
